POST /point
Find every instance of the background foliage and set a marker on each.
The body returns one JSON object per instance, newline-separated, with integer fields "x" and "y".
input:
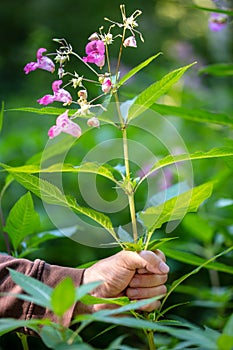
{"x": 181, "y": 32}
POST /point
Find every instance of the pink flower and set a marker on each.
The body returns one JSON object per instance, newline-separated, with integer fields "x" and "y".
{"x": 95, "y": 50}
{"x": 130, "y": 42}
{"x": 43, "y": 62}
{"x": 64, "y": 124}
{"x": 60, "y": 95}
{"x": 106, "y": 85}
{"x": 94, "y": 122}
{"x": 217, "y": 21}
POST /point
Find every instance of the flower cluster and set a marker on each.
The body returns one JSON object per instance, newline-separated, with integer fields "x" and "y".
{"x": 97, "y": 54}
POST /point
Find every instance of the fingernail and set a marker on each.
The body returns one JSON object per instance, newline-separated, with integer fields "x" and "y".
{"x": 163, "y": 267}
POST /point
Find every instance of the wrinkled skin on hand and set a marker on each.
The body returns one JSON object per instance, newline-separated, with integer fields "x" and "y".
{"x": 135, "y": 275}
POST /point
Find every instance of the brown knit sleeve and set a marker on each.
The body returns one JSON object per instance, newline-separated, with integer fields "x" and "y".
{"x": 48, "y": 274}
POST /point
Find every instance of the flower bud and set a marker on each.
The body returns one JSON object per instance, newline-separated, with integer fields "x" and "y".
{"x": 130, "y": 42}
{"x": 77, "y": 82}
{"x": 106, "y": 85}
{"x": 94, "y": 122}
{"x": 60, "y": 72}
{"x": 94, "y": 36}
{"x": 82, "y": 94}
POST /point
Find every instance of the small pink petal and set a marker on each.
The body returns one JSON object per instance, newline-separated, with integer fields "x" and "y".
{"x": 40, "y": 52}
{"x": 95, "y": 46}
{"x": 63, "y": 119}
{"x": 96, "y": 58}
{"x": 56, "y": 85}
{"x": 30, "y": 67}
{"x": 63, "y": 96}
{"x": 54, "y": 131}
{"x": 46, "y": 64}
{"x": 45, "y": 100}
{"x": 73, "y": 129}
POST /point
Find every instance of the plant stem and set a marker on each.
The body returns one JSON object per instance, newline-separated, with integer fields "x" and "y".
{"x": 120, "y": 53}
{"x": 5, "y": 235}
{"x": 108, "y": 61}
{"x": 130, "y": 191}
{"x": 2, "y": 220}
{"x": 150, "y": 337}
{"x": 90, "y": 67}
{"x": 133, "y": 217}
{"x": 24, "y": 340}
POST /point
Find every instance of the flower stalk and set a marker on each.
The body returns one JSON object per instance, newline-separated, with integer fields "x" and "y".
{"x": 130, "y": 190}
{"x": 97, "y": 52}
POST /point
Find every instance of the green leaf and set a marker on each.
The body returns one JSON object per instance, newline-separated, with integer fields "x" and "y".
{"x": 22, "y": 220}
{"x": 146, "y": 98}
{"x": 43, "y": 111}
{"x": 136, "y": 69}
{"x": 84, "y": 289}
{"x": 225, "y": 342}
{"x": 199, "y": 228}
{"x": 205, "y": 338}
{"x": 55, "y": 335}
{"x": 156, "y": 243}
{"x": 168, "y": 193}
{"x": 176, "y": 207}
{"x": 31, "y": 299}
{"x": 176, "y": 283}
{"x": 1, "y": 116}
{"x": 88, "y": 167}
{"x": 133, "y": 305}
{"x": 40, "y": 292}
{"x": 196, "y": 115}
{"x": 35, "y": 240}
{"x": 45, "y": 190}
{"x": 116, "y": 344}
{"x": 227, "y": 12}
{"x": 195, "y": 260}
{"x": 9, "y": 324}
{"x": 63, "y": 296}
{"x": 228, "y": 326}
{"x": 130, "y": 322}
{"x": 57, "y": 111}
{"x": 220, "y": 69}
{"x": 52, "y": 195}
{"x": 123, "y": 235}
{"x": 91, "y": 300}
{"x": 81, "y": 346}
{"x": 171, "y": 159}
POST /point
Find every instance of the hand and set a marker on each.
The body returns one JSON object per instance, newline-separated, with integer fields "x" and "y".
{"x": 136, "y": 275}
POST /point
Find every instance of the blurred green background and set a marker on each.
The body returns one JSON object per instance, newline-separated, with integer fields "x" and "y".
{"x": 181, "y": 32}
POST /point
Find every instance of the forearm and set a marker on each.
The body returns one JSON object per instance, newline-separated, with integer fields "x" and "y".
{"x": 48, "y": 274}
